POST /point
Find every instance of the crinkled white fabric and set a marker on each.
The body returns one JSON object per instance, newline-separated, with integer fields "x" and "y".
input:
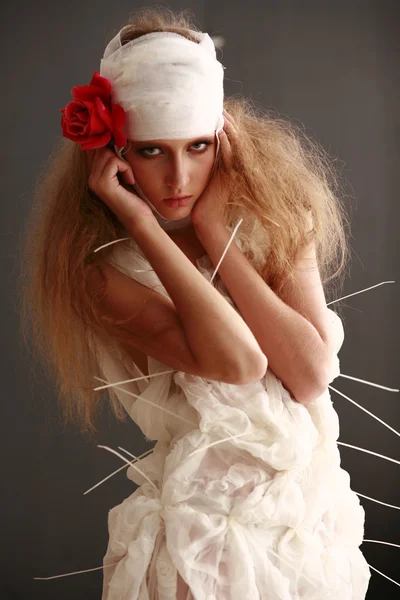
{"x": 268, "y": 515}
{"x": 168, "y": 86}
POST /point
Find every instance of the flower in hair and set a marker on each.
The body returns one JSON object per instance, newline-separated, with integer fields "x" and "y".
{"x": 91, "y": 119}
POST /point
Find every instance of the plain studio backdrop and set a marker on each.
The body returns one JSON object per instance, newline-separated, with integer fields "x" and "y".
{"x": 331, "y": 66}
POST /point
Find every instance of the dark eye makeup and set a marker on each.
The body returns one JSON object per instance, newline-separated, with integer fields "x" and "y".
{"x": 206, "y": 142}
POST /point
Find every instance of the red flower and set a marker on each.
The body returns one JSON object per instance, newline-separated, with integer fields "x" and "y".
{"x": 91, "y": 119}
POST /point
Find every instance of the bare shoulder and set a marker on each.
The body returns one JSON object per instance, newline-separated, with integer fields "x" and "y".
{"x": 126, "y": 302}
{"x": 304, "y": 292}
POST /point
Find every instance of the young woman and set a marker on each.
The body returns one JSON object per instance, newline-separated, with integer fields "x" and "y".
{"x": 179, "y": 258}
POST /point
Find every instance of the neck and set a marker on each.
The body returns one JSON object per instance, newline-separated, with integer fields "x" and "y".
{"x": 170, "y": 225}
{"x": 182, "y": 233}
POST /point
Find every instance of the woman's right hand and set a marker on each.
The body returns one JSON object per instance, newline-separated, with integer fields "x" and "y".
{"x": 106, "y": 172}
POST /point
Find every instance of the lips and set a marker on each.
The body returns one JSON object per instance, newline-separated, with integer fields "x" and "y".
{"x": 178, "y": 201}
{"x": 177, "y": 198}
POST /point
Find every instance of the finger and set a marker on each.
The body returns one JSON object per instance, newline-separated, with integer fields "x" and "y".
{"x": 112, "y": 166}
{"x": 226, "y": 149}
{"x": 103, "y": 157}
{"x": 94, "y": 159}
{"x": 127, "y": 174}
{"x": 229, "y": 119}
{"x": 99, "y": 172}
{"x": 230, "y": 129}
{"x": 120, "y": 169}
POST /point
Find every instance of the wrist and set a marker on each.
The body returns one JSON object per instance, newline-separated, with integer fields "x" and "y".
{"x": 142, "y": 225}
{"x": 205, "y": 228}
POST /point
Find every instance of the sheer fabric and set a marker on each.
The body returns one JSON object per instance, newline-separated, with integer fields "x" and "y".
{"x": 243, "y": 496}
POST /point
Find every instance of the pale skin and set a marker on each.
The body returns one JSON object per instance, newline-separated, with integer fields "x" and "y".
{"x": 293, "y": 330}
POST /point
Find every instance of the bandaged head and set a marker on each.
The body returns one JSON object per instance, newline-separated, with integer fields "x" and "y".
{"x": 169, "y": 88}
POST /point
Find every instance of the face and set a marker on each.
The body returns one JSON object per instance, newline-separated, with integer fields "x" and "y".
{"x": 173, "y": 168}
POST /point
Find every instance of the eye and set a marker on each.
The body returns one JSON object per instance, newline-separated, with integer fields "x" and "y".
{"x": 153, "y": 151}
{"x": 148, "y": 151}
{"x": 205, "y": 143}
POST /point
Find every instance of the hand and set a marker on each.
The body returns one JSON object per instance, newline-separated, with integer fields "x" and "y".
{"x": 107, "y": 174}
{"x": 209, "y": 208}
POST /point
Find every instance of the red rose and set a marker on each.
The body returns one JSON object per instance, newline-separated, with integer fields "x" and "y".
{"x": 91, "y": 119}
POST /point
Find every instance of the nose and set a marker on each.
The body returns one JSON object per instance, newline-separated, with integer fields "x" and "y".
{"x": 177, "y": 176}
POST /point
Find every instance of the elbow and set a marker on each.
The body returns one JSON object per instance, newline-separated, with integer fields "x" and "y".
{"x": 317, "y": 377}
{"x": 312, "y": 387}
{"x": 260, "y": 366}
{"x": 310, "y": 395}
{"x": 253, "y": 372}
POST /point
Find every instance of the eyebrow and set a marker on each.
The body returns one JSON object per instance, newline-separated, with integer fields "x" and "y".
{"x": 156, "y": 144}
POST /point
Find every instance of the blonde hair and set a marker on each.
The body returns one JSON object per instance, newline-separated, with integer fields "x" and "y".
{"x": 284, "y": 177}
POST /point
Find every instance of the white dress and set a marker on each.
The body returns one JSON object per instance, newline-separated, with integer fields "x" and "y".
{"x": 266, "y": 515}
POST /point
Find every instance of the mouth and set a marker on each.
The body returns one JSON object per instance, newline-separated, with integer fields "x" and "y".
{"x": 177, "y": 201}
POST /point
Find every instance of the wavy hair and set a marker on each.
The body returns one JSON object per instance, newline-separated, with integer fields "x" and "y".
{"x": 284, "y": 177}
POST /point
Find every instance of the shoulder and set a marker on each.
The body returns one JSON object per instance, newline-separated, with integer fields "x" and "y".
{"x": 304, "y": 291}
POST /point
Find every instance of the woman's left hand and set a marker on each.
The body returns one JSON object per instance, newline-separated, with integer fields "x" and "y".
{"x": 209, "y": 208}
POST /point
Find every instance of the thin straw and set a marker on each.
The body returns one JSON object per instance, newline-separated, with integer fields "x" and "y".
{"x": 370, "y": 452}
{"x": 232, "y": 437}
{"x": 77, "y": 572}
{"x": 226, "y": 248}
{"x": 380, "y": 542}
{"x": 131, "y": 464}
{"x": 115, "y": 472}
{"x": 146, "y": 401}
{"x": 110, "y": 243}
{"x": 103, "y": 387}
{"x": 378, "y": 501}
{"x": 360, "y": 292}
{"x": 383, "y": 575}
{"x": 382, "y": 387}
{"x": 365, "y": 410}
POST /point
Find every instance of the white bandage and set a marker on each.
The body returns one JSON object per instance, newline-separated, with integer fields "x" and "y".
{"x": 169, "y": 86}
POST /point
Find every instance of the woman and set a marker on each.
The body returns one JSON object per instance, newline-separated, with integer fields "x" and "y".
{"x": 180, "y": 259}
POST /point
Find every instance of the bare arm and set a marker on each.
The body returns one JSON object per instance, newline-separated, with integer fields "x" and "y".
{"x": 209, "y": 334}
{"x": 294, "y": 332}
{"x": 215, "y": 332}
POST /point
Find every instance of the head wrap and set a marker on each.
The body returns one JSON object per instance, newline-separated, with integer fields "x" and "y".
{"x": 169, "y": 88}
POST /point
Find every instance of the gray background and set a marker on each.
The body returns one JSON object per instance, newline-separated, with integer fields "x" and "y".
{"x": 331, "y": 65}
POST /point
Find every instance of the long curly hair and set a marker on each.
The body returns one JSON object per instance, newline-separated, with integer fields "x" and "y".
{"x": 284, "y": 178}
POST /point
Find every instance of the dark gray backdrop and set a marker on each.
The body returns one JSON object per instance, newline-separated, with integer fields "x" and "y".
{"x": 331, "y": 65}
